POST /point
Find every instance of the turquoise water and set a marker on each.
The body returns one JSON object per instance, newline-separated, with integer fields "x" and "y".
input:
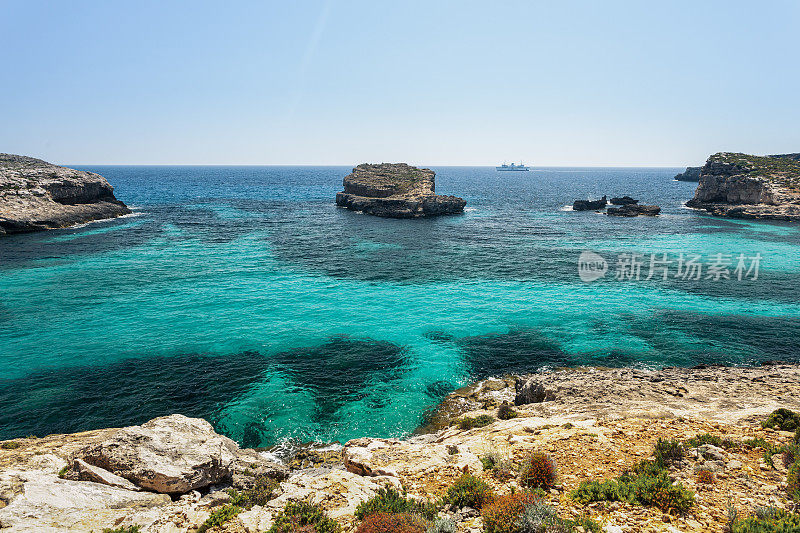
{"x": 242, "y": 295}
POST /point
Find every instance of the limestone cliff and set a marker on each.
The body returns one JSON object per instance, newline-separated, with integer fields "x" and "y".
{"x": 36, "y": 195}
{"x": 395, "y": 190}
{"x": 747, "y": 186}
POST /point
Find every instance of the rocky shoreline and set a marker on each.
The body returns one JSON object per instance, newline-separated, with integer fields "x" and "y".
{"x": 174, "y": 474}
{"x": 395, "y": 190}
{"x": 749, "y": 187}
{"x": 36, "y": 195}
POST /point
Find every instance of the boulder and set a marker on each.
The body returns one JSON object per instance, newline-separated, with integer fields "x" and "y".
{"x": 87, "y": 472}
{"x": 532, "y": 390}
{"x": 589, "y": 205}
{"x": 633, "y": 210}
{"x": 395, "y": 190}
{"x": 625, "y": 200}
{"x": 171, "y": 454}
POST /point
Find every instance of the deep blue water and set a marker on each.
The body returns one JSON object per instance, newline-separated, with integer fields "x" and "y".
{"x": 243, "y": 295}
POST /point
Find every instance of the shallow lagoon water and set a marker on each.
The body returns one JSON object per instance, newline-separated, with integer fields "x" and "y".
{"x": 243, "y": 295}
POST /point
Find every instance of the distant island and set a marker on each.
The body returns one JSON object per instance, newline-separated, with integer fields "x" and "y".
{"x": 751, "y": 187}
{"x": 690, "y": 174}
{"x": 36, "y": 195}
{"x": 395, "y": 190}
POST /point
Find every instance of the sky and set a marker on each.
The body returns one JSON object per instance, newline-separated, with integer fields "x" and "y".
{"x": 552, "y": 83}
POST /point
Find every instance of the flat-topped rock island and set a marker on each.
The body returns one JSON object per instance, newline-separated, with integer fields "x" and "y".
{"x": 396, "y": 190}
{"x": 36, "y": 195}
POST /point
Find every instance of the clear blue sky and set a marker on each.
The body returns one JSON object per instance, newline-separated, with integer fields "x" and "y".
{"x": 428, "y": 82}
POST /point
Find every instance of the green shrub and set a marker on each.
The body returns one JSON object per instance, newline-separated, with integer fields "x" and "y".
{"x": 296, "y": 515}
{"x": 768, "y": 520}
{"x": 506, "y": 412}
{"x": 782, "y": 419}
{"x": 390, "y": 501}
{"x": 259, "y": 494}
{"x": 667, "y": 451}
{"x": 10, "y": 445}
{"x": 129, "y": 529}
{"x": 442, "y": 525}
{"x": 646, "y": 484}
{"x": 64, "y": 471}
{"x": 477, "y": 422}
{"x": 797, "y": 436}
{"x": 219, "y": 517}
{"x": 468, "y": 491}
{"x": 538, "y": 471}
{"x": 706, "y": 438}
{"x": 793, "y": 482}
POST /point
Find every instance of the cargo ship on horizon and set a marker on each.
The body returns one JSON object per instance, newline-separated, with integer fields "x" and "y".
{"x": 512, "y": 167}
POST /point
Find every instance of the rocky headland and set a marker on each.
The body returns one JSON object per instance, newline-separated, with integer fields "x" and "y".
{"x": 750, "y": 187}
{"x": 696, "y": 437}
{"x": 36, "y": 195}
{"x": 690, "y": 174}
{"x": 395, "y": 190}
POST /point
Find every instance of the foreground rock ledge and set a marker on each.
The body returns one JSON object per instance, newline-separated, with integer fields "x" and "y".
{"x": 594, "y": 422}
{"x": 36, "y": 195}
{"x": 395, "y": 190}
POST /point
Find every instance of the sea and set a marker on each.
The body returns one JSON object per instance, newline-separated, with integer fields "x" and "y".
{"x": 243, "y": 295}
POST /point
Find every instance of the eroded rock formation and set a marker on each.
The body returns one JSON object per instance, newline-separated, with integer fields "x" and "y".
{"x": 36, "y": 195}
{"x": 395, "y": 190}
{"x": 752, "y": 187}
{"x": 633, "y": 210}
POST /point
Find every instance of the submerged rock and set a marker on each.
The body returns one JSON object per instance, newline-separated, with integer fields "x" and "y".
{"x": 589, "y": 205}
{"x": 633, "y": 210}
{"x": 395, "y": 190}
{"x": 625, "y": 200}
{"x": 36, "y": 195}
{"x": 171, "y": 454}
{"x": 750, "y": 187}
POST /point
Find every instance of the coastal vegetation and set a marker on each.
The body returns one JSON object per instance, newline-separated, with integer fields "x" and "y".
{"x": 785, "y": 171}
{"x": 304, "y": 516}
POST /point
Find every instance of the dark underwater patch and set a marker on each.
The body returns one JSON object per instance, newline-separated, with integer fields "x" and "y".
{"x": 341, "y": 370}
{"x": 719, "y": 339}
{"x": 519, "y": 350}
{"x": 127, "y": 392}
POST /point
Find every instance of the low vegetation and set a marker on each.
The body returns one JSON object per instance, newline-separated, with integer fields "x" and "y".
{"x": 258, "y": 494}
{"x": 393, "y": 523}
{"x": 475, "y": 422}
{"x": 390, "y": 501}
{"x": 525, "y": 512}
{"x": 782, "y": 419}
{"x": 647, "y": 484}
{"x": 128, "y": 529}
{"x": 303, "y": 516}
{"x": 767, "y": 520}
{"x": 10, "y": 445}
{"x": 715, "y": 440}
{"x": 468, "y": 491}
{"x": 538, "y": 471}
{"x": 506, "y": 412}
{"x": 785, "y": 171}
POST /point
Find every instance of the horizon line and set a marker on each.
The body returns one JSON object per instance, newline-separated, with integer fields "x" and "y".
{"x": 351, "y": 165}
